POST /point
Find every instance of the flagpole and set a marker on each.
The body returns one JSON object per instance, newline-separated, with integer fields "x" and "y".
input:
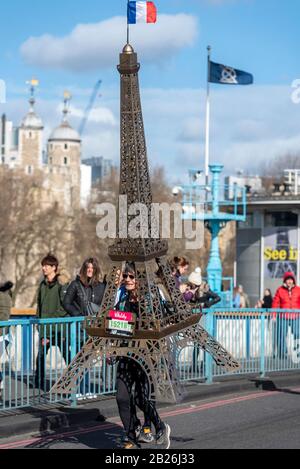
{"x": 127, "y": 22}
{"x": 207, "y": 126}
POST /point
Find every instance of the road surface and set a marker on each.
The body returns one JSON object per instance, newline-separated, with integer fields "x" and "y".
{"x": 257, "y": 420}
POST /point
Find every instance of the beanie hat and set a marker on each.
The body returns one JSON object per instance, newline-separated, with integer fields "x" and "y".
{"x": 196, "y": 278}
{"x": 288, "y": 275}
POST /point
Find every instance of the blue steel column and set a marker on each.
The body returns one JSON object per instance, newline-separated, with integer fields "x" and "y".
{"x": 73, "y": 352}
{"x": 214, "y": 268}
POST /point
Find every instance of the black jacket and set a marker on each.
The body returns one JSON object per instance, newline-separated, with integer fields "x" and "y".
{"x": 267, "y": 302}
{"x": 208, "y": 299}
{"x": 5, "y": 303}
{"x": 124, "y": 304}
{"x": 5, "y": 287}
{"x": 75, "y": 301}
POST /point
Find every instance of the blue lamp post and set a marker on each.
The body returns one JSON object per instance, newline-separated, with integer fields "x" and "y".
{"x": 222, "y": 204}
{"x": 214, "y": 267}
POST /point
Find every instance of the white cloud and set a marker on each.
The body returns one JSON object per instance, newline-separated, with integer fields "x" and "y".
{"x": 192, "y": 128}
{"x": 99, "y": 115}
{"x": 249, "y": 126}
{"x": 95, "y": 46}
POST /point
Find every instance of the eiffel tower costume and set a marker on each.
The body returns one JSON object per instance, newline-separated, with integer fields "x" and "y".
{"x": 158, "y": 338}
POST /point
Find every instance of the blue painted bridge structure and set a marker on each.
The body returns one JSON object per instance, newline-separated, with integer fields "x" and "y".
{"x": 215, "y": 204}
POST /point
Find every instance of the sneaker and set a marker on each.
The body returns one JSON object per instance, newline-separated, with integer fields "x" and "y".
{"x": 80, "y": 397}
{"x": 129, "y": 444}
{"x": 138, "y": 431}
{"x": 163, "y": 436}
{"x": 146, "y": 435}
{"x": 90, "y": 395}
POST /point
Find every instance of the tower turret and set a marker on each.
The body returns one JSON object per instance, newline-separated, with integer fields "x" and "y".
{"x": 31, "y": 136}
{"x": 64, "y": 159}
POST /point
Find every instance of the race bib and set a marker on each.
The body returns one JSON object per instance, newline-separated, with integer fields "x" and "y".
{"x": 121, "y": 323}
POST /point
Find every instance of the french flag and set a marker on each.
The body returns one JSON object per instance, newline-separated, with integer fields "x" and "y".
{"x": 141, "y": 12}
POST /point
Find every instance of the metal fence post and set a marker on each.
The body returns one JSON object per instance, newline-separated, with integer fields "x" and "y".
{"x": 262, "y": 350}
{"x": 73, "y": 352}
{"x": 209, "y": 326}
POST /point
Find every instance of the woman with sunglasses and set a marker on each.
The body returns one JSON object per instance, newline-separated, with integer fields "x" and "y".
{"x": 133, "y": 384}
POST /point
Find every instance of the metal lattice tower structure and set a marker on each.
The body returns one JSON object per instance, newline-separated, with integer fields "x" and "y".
{"x": 158, "y": 337}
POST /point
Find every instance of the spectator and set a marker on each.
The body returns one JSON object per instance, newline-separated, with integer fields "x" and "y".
{"x": 244, "y": 298}
{"x": 259, "y": 305}
{"x": 83, "y": 298}
{"x": 49, "y": 305}
{"x": 267, "y": 299}
{"x": 84, "y": 295}
{"x": 194, "y": 282}
{"x": 236, "y": 298}
{"x": 180, "y": 267}
{"x": 199, "y": 292}
{"x": 287, "y": 297}
{"x": 5, "y": 308}
{"x": 5, "y": 301}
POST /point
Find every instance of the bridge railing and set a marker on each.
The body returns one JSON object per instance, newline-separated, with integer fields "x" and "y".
{"x": 34, "y": 353}
{"x": 263, "y": 341}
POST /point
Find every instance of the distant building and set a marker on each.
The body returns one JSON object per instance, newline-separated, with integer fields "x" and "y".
{"x": 30, "y": 143}
{"x": 66, "y": 182}
{"x": 86, "y": 185}
{"x": 9, "y": 139}
{"x": 101, "y": 168}
{"x": 253, "y": 184}
{"x": 268, "y": 244}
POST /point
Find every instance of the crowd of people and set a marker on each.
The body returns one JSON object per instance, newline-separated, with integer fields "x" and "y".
{"x": 57, "y": 297}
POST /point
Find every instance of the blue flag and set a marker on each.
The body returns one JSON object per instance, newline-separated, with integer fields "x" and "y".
{"x": 225, "y": 75}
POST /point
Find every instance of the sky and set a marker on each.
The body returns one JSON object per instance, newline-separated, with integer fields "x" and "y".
{"x": 72, "y": 44}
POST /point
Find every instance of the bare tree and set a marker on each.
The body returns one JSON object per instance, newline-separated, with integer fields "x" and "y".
{"x": 275, "y": 167}
{"x": 30, "y": 228}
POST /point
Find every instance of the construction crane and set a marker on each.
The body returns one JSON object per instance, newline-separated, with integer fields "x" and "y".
{"x": 89, "y": 107}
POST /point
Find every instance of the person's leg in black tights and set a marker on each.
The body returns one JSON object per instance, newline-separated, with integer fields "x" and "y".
{"x": 125, "y": 397}
{"x": 143, "y": 401}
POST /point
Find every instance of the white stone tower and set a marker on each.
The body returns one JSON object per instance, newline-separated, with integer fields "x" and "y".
{"x": 31, "y": 137}
{"x": 64, "y": 160}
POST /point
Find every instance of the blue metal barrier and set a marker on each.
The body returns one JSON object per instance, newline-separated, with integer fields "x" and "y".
{"x": 263, "y": 341}
{"x": 34, "y": 353}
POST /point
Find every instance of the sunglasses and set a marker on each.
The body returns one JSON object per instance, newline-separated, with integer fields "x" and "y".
{"x": 131, "y": 276}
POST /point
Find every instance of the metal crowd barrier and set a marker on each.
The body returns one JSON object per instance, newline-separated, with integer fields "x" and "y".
{"x": 34, "y": 354}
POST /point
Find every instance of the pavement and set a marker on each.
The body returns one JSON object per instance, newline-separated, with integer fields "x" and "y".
{"x": 44, "y": 420}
